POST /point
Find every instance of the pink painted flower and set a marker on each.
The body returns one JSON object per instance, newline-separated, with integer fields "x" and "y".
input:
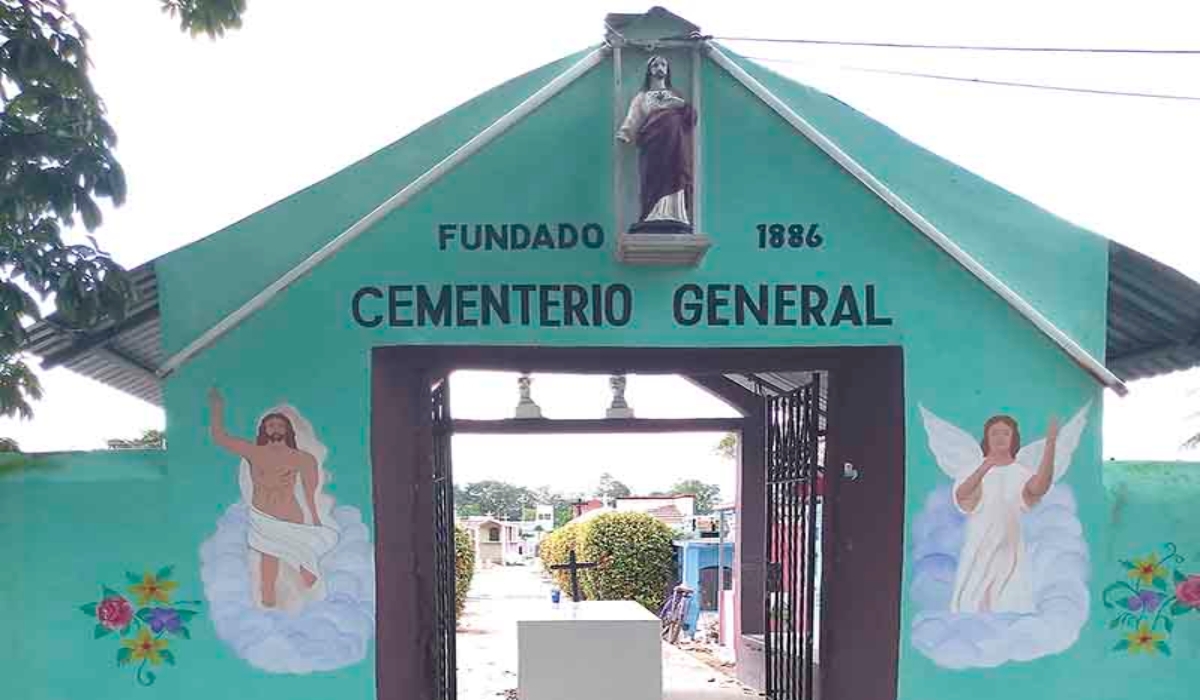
{"x": 114, "y": 612}
{"x": 1187, "y": 592}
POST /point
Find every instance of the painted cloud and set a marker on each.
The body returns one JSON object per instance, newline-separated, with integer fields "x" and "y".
{"x": 1059, "y": 569}
{"x": 322, "y": 636}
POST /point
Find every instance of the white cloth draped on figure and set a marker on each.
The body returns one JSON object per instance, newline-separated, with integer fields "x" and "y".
{"x": 993, "y": 567}
{"x": 296, "y": 545}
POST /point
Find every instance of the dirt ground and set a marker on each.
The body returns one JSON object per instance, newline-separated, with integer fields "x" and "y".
{"x": 487, "y": 643}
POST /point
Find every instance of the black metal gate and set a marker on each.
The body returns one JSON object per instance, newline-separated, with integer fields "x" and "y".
{"x": 794, "y": 456}
{"x": 443, "y": 511}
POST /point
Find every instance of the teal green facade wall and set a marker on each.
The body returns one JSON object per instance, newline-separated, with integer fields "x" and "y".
{"x": 967, "y": 356}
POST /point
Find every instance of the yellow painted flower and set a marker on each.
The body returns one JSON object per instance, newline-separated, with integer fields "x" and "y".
{"x": 145, "y": 647}
{"x": 1144, "y": 640}
{"x": 1147, "y": 569}
{"x": 152, "y": 589}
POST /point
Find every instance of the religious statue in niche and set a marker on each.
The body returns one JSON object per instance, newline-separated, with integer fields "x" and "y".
{"x": 661, "y": 125}
{"x": 289, "y": 575}
{"x": 1000, "y": 562}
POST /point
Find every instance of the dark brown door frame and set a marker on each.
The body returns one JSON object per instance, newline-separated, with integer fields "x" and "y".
{"x": 860, "y": 630}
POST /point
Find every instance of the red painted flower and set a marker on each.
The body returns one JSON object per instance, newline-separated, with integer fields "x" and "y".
{"x": 1187, "y": 592}
{"x": 114, "y": 612}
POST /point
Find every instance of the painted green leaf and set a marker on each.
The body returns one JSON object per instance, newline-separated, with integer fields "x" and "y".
{"x": 186, "y": 615}
{"x": 89, "y": 609}
{"x": 165, "y": 573}
{"x": 110, "y": 593}
{"x": 1128, "y": 564}
{"x": 123, "y": 655}
{"x": 101, "y": 631}
{"x": 143, "y": 614}
{"x": 1179, "y": 577}
{"x": 150, "y": 677}
{"x": 1115, "y": 623}
{"x": 168, "y": 657}
{"x": 1162, "y": 646}
{"x": 1124, "y": 603}
{"x": 1121, "y": 645}
{"x": 183, "y": 632}
{"x": 132, "y": 577}
{"x": 1178, "y": 608}
{"x": 1169, "y": 624}
{"x": 1160, "y": 583}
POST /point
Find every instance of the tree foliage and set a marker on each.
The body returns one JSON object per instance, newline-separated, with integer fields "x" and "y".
{"x": 636, "y": 558}
{"x": 707, "y": 496}
{"x": 464, "y": 569}
{"x": 728, "y": 446}
{"x": 610, "y": 488}
{"x": 57, "y": 167}
{"x": 149, "y": 440}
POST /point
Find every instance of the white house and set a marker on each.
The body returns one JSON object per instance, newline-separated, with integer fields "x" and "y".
{"x": 496, "y": 541}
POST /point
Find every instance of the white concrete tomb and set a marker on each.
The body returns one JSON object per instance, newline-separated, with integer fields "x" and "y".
{"x": 592, "y": 650}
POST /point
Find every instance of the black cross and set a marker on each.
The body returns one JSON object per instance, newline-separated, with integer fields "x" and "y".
{"x": 573, "y": 565}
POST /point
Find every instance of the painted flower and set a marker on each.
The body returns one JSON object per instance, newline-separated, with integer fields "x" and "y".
{"x": 145, "y": 647}
{"x": 1144, "y": 600}
{"x": 1144, "y": 640}
{"x": 114, "y": 612}
{"x": 164, "y": 619}
{"x": 153, "y": 589}
{"x": 1187, "y": 592}
{"x": 1147, "y": 569}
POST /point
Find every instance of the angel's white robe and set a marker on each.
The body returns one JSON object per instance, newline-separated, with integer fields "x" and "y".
{"x": 993, "y": 567}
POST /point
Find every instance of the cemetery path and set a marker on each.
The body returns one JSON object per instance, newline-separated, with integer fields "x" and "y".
{"x": 487, "y": 642}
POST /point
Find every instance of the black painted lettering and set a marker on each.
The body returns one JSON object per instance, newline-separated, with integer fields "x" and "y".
{"x": 717, "y": 297}
{"x": 575, "y": 300}
{"x": 568, "y": 236}
{"x": 812, "y": 304}
{"x": 688, "y": 312}
{"x": 742, "y": 301}
{"x": 593, "y": 236}
{"x": 872, "y": 319}
{"x": 611, "y": 304}
{"x": 396, "y": 302}
{"x": 439, "y": 312}
{"x": 847, "y": 308}
{"x": 445, "y": 234}
{"x": 518, "y": 237}
{"x": 496, "y": 239}
{"x": 543, "y": 239}
{"x": 526, "y": 293}
{"x": 464, "y": 300}
{"x": 495, "y": 304}
{"x": 547, "y": 300}
{"x": 356, "y": 307}
{"x": 785, "y": 298}
{"x": 471, "y": 237}
{"x": 597, "y": 305}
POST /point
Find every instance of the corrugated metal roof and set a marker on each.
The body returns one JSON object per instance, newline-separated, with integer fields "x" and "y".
{"x": 1153, "y": 316}
{"x": 1153, "y": 329}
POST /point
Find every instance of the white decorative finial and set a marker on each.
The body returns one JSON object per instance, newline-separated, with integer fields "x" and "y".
{"x": 619, "y": 408}
{"x": 526, "y": 408}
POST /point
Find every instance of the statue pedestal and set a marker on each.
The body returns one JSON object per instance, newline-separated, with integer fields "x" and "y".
{"x": 663, "y": 249}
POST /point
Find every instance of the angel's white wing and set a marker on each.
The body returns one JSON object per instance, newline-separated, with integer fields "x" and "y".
{"x": 1030, "y": 456}
{"x": 957, "y": 453}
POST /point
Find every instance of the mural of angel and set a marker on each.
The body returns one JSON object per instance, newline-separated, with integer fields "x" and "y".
{"x": 1000, "y": 561}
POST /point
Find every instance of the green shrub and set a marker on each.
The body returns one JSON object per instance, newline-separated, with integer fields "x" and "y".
{"x": 464, "y": 568}
{"x": 636, "y": 557}
{"x": 556, "y": 549}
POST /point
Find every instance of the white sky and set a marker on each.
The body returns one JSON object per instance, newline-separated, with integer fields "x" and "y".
{"x": 214, "y": 131}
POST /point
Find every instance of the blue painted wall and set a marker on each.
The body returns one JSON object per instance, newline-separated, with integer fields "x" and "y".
{"x": 692, "y": 556}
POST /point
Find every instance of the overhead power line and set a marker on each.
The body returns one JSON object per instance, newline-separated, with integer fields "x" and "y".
{"x": 1003, "y": 83}
{"x": 962, "y": 47}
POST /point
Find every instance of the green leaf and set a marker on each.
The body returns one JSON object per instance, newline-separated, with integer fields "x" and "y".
{"x": 150, "y": 677}
{"x": 1115, "y": 623}
{"x": 165, "y": 573}
{"x": 1169, "y": 624}
{"x": 143, "y": 614}
{"x": 1121, "y": 645}
{"x": 1124, "y": 603}
{"x": 1162, "y": 646}
{"x": 89, "y": 609}
{"x": 133, "y": 578}
{"x": 1160, "y": 583}
{"x": 1178, "y": 608}
{"x": 110, "y": 593}
{"x": 1128, "y": 564}
{"x": 123, "y": 655}
{"x": 186, "y": 615}
{"x": 183, "y": 632}
{"x": 168, "y": 657}
{"x": 1179, "y": 577}
{"x": 101, "y": 631}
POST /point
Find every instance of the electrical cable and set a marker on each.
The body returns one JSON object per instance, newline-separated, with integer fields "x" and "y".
{"x": 963, "y": 47}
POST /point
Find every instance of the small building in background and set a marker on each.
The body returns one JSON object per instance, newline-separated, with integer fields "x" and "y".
{"x": 497, "y": 542}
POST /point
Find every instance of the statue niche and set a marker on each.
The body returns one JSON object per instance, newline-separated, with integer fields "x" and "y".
{"x": 661, "y": 124}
